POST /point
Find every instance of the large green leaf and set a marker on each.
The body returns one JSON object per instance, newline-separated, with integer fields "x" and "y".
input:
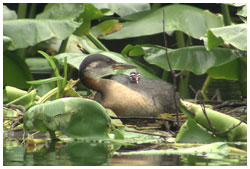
{"x": 82, "y": 13}
{"x": 15, "y": 71}
{"x": 28, "y": 32}
{"x": 76, "y": 117}
{"x": 190, "y": 20}
{"x": 61, "y": 11}
{"x": 90, "y": 13}
{"x": 233, "y": 70}
{"x": 195, "y": 59}
{"x": 124, "y": 9}
{"x": 90, "y": 121}
{"x": 8, "y": 14}
{"x": 219, "y": 123}
{"x": 228, "y": 35}
{"x": 191, "y": 132}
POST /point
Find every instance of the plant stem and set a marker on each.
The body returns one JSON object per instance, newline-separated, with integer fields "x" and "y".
{"x": 226, "y": 14}
{"x": 65, "y": 73}
{"x": 183, "y": 86}
{"x": 164, "y": 75}
{"x": 53, "y": 65}
{"x": 32, "y": 12}
{"x": 205, "y": 86}
{"x": 180, "y": 39}
{"x": 171, "y": 70}
{"x": 47, "y": 95}
{"x": 96, "y": 41}
{"x": 63, "y": 45}
{"x": 21, "y": 11}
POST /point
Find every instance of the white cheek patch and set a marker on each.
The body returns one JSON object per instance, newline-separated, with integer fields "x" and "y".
{"x": 98, "y": 69}
{"x": 92, "y": 65}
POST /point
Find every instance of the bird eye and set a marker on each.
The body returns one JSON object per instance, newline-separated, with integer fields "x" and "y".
{"x": 109, "y": 61}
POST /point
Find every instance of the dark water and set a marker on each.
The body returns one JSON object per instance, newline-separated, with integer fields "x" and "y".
{"x": 99, "y": 154}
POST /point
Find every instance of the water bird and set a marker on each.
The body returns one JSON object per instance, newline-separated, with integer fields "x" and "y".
{"x": 127, "y": 96}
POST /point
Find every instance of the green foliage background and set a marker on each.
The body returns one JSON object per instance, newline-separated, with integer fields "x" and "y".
{"x": 204, "y": 40}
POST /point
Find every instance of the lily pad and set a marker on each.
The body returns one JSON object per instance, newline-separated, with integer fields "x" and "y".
{"x": 76, "y": 117}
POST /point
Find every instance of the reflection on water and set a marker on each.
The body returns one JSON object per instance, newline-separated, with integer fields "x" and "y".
{"x": 92, "y": 154}
{"x": 75, "y": 153}
{"x": 145, "y": 160}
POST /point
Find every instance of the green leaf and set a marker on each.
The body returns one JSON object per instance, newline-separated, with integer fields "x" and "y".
{"x": 90, "y": 13}
{"x": 223, "y": 128}
{"x": 7, "y": 42}
{"x": 130, "y": 50}
{"x": 228, "y": 35}
{"x": 61, "y": 11}
{"x": 26, "y": 100}
{"x": 35, "y": 30}
{"x": 39, "y": 65}
{"x": 42, "y": 81}
{"x": 213, "y": 41}
{"x": 242, "y": 11}
{"x": 132, "y": 135}
{"x": 76, "y": 117}
{"x": 191, "y": 20}
{"x": 91, "y": 121}
{"x": 83, "y": 13}
{"x": 8, "y": 14}
{"x": 74, "y": 59}
{"x": 13, "y": 93}
{"x": 233, "y": 70}
{"x": 124, "y": 9}
{"x": 105, "y": 27}
{"x": 197, "y": 57}
{"x": 51, "y": 61}
{"x": 136, "y": 16}
{"x": 15, "y": 71}
{"x": 191, "y": 132}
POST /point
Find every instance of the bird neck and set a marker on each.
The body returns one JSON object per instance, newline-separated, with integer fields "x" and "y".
{"x": 96, "y": 84}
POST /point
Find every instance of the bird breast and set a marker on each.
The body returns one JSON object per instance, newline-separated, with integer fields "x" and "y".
{"x": 127, "y": 102}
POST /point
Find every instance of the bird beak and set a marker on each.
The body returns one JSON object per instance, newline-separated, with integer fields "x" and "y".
{"x": 123, "y": 66}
